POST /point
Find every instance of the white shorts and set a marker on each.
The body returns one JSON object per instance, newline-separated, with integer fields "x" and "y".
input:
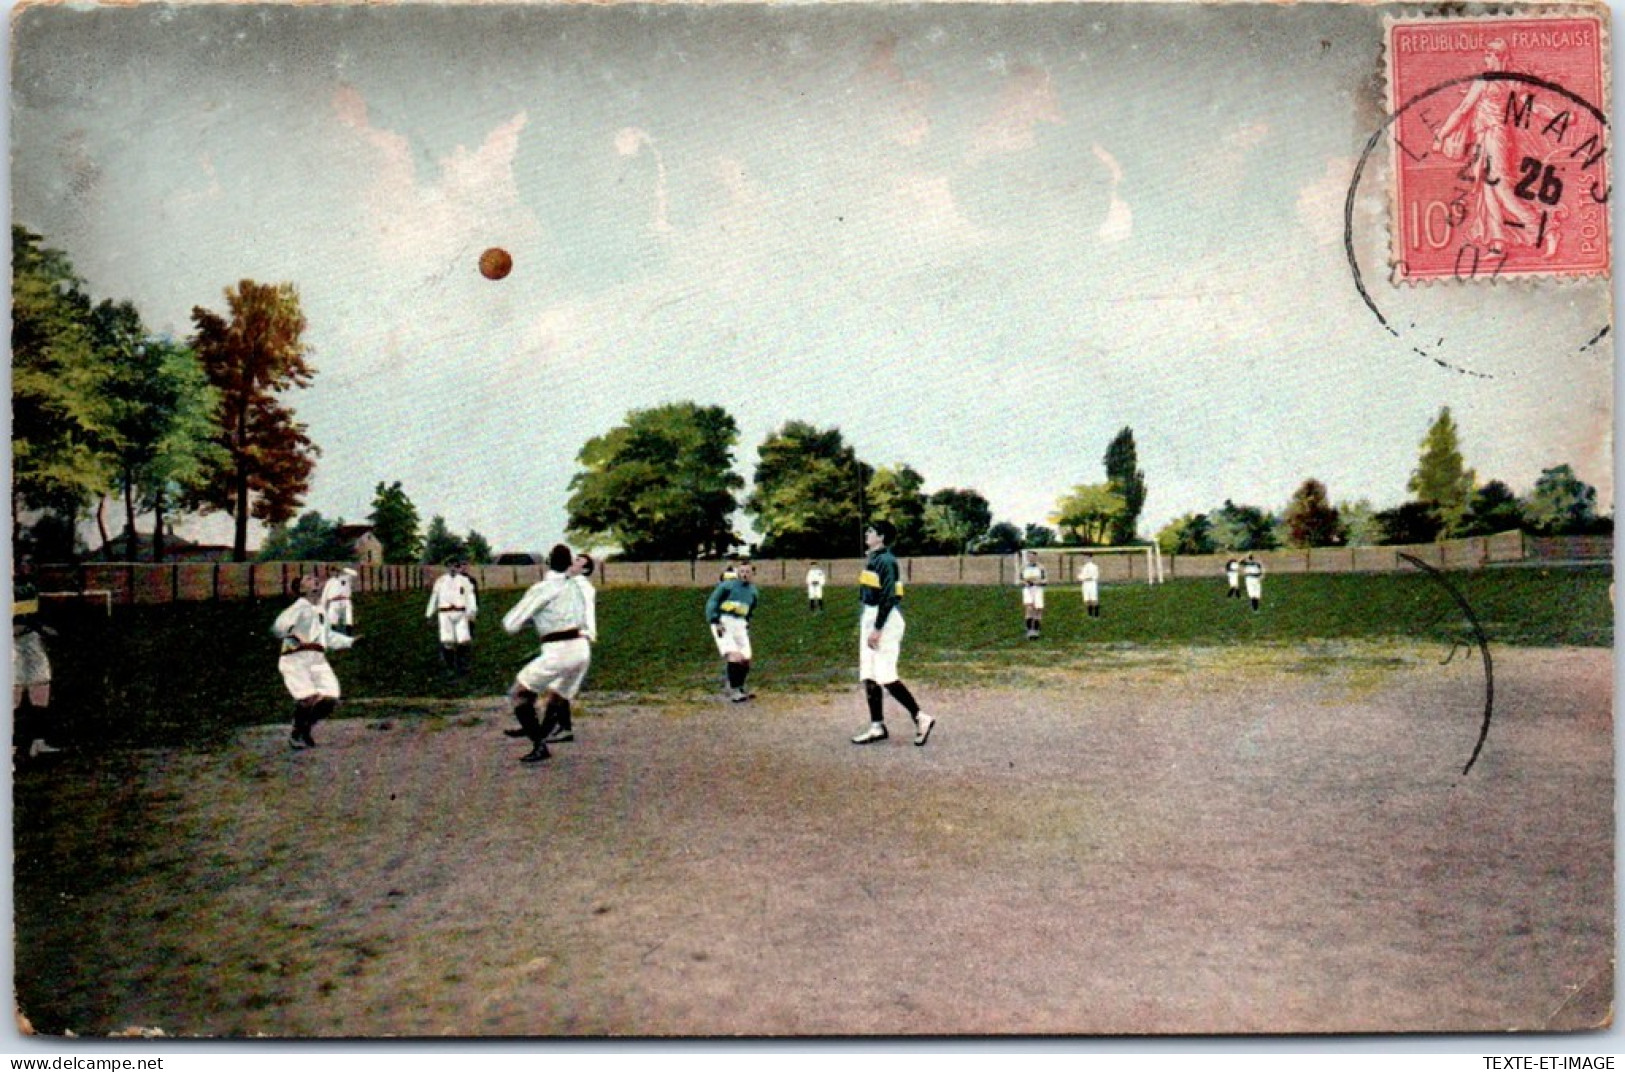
{"x": 815, "y": 591}
{"x": 307, "y": 674}
{"x": 454, "y": 627}
{"x": 1032, "y": 595}
{"x": 29, "y": 666}
{"x": 1091, "y": 591}
{"x": 879, "y": 664}
{"x": 735, "y": 638}
{"x": 1255, "y": 587}
{"x": 561, "y": 668}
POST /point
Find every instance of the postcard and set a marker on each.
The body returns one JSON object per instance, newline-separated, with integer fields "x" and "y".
{"x": 1077, "y": 520}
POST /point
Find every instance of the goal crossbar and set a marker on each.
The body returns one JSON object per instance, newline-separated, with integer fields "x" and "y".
{"x": 1154, "y": 573}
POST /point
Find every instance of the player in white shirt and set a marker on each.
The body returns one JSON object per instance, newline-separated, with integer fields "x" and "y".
{"x": 1252, "y": 571}
{"x": 1033, "y": 579}
{"x": 815, "y": 587}
{"x": 306, "y": 640}
{"x": 558, "y": 610}
{"x": 1089, "y": 574}
{"x": 454, "y": 602}
{"x": 338, "y": 600}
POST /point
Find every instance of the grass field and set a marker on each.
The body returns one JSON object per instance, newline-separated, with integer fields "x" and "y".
{"x": 189, "y": 674}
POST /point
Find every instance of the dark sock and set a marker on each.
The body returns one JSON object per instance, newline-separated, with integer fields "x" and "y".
{"x": 900, "y": 693}
{"x": 872, "y": 693}
{"x": 736, "y": 679}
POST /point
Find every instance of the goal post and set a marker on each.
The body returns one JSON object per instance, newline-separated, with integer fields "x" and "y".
{"x": 1152, "y": 571}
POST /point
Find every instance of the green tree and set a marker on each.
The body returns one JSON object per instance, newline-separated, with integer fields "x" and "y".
{"x": 1088, "y": 514}
{"x": 60, "y": 453}
{"x": 955, "y": 519}
{"x": 1410, "y": 523}
{"x": 1360, "y": 526}
{"x": 1191, "y": 534}
{"x": 312, "y": 538}
{"x": 661, "y": 485}
{"x": 1311, "y": 519}
{"x": 1035, "y": 536}
{"x": 1441, "y": 477}
{"x": 1127, "y": 479}
{"x": 1562, "y": 504}
{"x": 1243, "y": 528}
{"x": 808, "y": 492}
{"x": 440, "y": 544}
{"x": 896, "y": 494}
{"x": 1003, "y": 538}
{"x": 479, "y": 549}
{"x": 252, "y": 356}
{"x": 1493, "y": 508}
{"x": 394, "y": 522}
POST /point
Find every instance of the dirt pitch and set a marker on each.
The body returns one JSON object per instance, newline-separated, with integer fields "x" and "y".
{"x": 1220, "y": 843}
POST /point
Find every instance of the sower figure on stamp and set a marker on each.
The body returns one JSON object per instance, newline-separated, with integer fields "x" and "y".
{"x": 1253, "y": 571}
{"x": 306, "y": 640}
{"x": 728, "y": 613}
{"x": 1033, "y": 579}
{"x": 30, "y": 668}
{"x": 338, "y": 600}
{"x": 815, "y": 587}
{"x": 1089, "y": 575}
{"x": 880, "y": 637}
{"x": 557, "y": 608}
{"x": 454, "y": 603}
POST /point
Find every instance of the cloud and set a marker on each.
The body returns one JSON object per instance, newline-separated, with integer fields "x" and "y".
{"x": 907, "y": 120}
{"x": 1118, "y": 226}
{"x": 1027, "y": 99}
{"x": 1321, "y": 203}
{"x": 422, "y": 226}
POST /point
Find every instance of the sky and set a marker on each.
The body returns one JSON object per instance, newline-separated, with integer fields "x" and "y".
{"x": 979, "y": 240}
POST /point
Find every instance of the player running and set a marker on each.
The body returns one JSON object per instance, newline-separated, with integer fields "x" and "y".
{"x": 557, "y": 607}
{"x": 306, "y": 640}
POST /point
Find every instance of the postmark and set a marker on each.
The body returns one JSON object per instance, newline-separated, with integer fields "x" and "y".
{"x": 1499, "y": 146}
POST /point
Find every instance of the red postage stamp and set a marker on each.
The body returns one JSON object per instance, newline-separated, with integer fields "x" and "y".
{"x": 1499, "y": 134}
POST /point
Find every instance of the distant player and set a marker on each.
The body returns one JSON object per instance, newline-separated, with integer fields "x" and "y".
{"x": 880, "y": 637}
{"x": 1232, "y": 574}
{"x": 557, "y": 608}
{"x": 454, "y": 602}
{"x": 306, "y": 640}
{"x": 1089, "y": 574}
{"x": 30, "y": 668}
{"x": 728, "y": 613}
{"x": 1252, "y": 572}
{"x": 1033, "y": 579}
{"x": 815, "y": 587}
{"x": 337, "y": 600}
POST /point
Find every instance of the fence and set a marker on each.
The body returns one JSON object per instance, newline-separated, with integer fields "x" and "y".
{"x": 144, "y": 583}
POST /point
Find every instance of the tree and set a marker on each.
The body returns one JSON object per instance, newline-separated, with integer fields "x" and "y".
{"x": 955, "y": 518}
{"x": 1191, "y": 534}
{"x": 159, "y": 417}
{"x": 1311, "y": 519}
{"x": 440, "y": 544}
{"x": 1003, "y": 538}
{"x": 1441, "y": 478}
{"x": 312, "y": 538}
{"x": 1493, "y": 508}
{"x": 1562, "y": 504}
{"x": 1360, "y": 526}
{"x": 661, "y": 485}
{"x": 1409, "y": 523}
{"x": 1243, "y": 528}
{"x": 1088, "y": 514}
{"x": 1127, "y": 480}
{"x": 395, "y": 522}
{"x": 479, "y": 549}
{"x": 60, "y": 455}
{"x": 252, "y": 357}
{"x": 808, "y": 493}
{"x": 1037, "y": 536}
{"x": 895, "y": 494}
